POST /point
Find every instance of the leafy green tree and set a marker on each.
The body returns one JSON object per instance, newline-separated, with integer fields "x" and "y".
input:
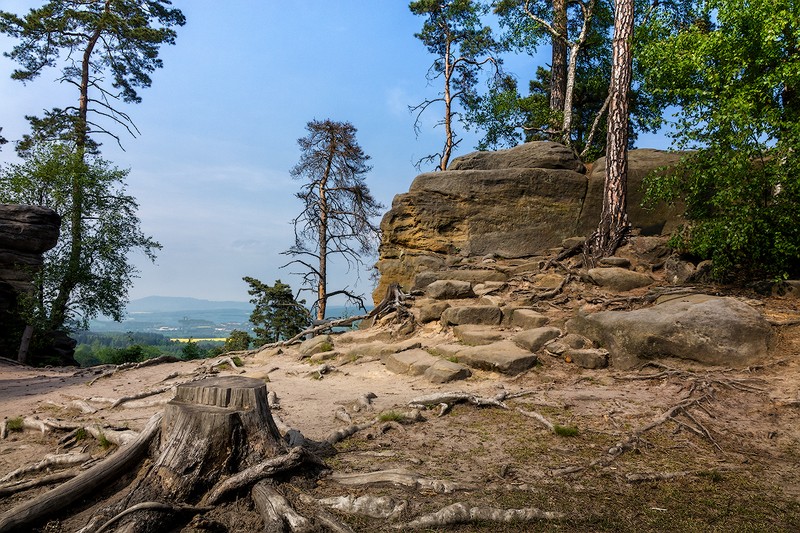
{"x": 734, "y": 75}
{"x": 277, "y": 315}
{"x": 191, "y": 350}
{"x": 461, "y": 46}
{"x": 109, "y": 231}
{"x": 106, "y": 50}
{"x": 238, "y": 340}
{"x": 338, "y": 208}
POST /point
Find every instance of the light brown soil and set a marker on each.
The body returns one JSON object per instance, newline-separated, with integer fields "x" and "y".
{"x": 742, "y": 475}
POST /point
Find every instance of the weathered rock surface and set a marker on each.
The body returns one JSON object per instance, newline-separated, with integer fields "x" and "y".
{"x": 706, "y": 329}
{"x": 418, "y": 362}
{"x": 533, "y": 339}
{"x": 472, "y": 276}
{"x": 528, "y": 319}
{"x": 26, "y": 232}
{"x": 472, "y": 314}
{"x": 591, "y": 358}
{"x": 478, "y": 335}
{"x": 432, "y": 311}
{"x": 510, "y": 203}
{"x": 504, "y": 356}
{"x": 444, "y": 371}
{"x": 449, "y": 290}
{"x": 619, "y": 279}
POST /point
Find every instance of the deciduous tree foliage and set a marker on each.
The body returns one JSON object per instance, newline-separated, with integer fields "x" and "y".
{"x": 277, "y": 315}
{"x": 109, "y": 231}
{"x": 338, "y": 208}
{"x": 461, "y": 46}
{"x": 106, "y": 50}
{"x": 734, "y": 75}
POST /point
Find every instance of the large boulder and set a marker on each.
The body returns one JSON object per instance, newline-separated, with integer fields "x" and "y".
{"x": 706, "y": 329}
{"x": 26, "y": 232}
{"x": 511, "y": 203}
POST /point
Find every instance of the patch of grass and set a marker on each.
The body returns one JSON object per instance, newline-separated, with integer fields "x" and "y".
{"x": 326, "y": 347}
{"x": 81, "y": 434}
{"x": 104, "y": 442}
{"x": 565, "y": 431}
{"x": 452, "y": 359}
{"x": 237, "y": 360}
{"x": 14, "y": 424}
{"x": 392, "y": 416}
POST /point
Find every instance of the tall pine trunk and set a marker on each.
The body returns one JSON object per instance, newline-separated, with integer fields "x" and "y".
{"x": 558, "y": 67}
{"x": 614, "y": 225}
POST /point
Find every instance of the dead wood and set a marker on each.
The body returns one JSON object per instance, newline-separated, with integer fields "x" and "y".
{"x": 62, "y": 459}
{"x": 343, "y": 433}
{"x": 152, "y": 506}
{"x": 133, "y": 366}
{"x": 276, "y": 511}
{"x": 296, "y": 457}
{"x": 384, "y": 507}
{"x": 639, "y": 477}
{"x": 460, "y": 513}
{"x": 536, "y": 416}
{"x": 141, "y": 395}
{"x": 20, "y": 486}
{"x": 397, "y": 478}
{"x": 342, "y": 322}
{"x": 84, "y": 484}
{"x": 450, "y": 398}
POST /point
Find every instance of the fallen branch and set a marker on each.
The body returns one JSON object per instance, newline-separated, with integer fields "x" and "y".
{"x": 343, "y": 433}
{"x": 141, "y": 395}
{"x": 342, "y": 322}
{"x": 536, "y": 416}
{"x": 84, "y": 484}
{"x": 133, "y": 366}
{"x": 459, "y": 513}
{"x": 450, "y": 398}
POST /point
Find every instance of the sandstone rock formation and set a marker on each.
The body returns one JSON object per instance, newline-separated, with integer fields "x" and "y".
{"x": 511, "y": 203}
{"x": 26, "y": 232}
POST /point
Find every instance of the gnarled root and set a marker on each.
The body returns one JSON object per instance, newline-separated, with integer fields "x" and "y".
{"x": 460, "y": 513}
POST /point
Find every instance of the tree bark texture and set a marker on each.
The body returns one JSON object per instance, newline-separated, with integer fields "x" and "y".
{"x": 614, "y": 226}
{"x": 558, "y": 68}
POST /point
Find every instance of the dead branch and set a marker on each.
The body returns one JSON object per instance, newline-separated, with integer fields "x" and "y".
{"x": 152, "y": 506}
{"x": 342, "y": 322}
{"x": 536, "y": 416}
{"x": 83, "y": 484}
{"x": 343, "y": 433}
{"x": 141, "y": 395}
{"x": 635, "y": 477}
{"x": 460, "y": 513}
{"x": 133, "y": 366}
{"x": 384, "y": 507}
{"x": 450, "y": 398}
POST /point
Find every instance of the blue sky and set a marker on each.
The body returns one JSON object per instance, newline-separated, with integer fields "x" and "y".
{"x": 220, "y": 124}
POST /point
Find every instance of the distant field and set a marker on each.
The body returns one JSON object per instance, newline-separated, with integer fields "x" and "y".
{"x": 210, "y": 339}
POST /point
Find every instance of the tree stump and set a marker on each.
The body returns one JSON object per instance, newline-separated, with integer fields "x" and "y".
{"x": 212, "y": 429}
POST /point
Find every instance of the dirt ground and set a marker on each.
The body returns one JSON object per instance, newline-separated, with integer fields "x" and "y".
{"x": 726, "y": 462}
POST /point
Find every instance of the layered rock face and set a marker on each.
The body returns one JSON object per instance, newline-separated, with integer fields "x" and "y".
{"x": 510, "y": 203}
{"x": 26, "y": 232}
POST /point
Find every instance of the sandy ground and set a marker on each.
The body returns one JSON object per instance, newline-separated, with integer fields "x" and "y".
{"x": 741, "y": 475}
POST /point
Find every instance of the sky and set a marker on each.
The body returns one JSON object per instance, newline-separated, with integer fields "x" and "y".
{"x": 220, "y": 123}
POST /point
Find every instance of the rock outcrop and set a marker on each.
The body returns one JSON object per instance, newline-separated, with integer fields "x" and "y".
{"x": 26, "y": 232}
{"x": 511, "y": 203}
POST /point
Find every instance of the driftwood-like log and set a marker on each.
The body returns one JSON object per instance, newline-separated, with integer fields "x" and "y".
{"x": 20, "y": 486}
{"x": 450, "y": 398}
{"x": 80, "y": 486}
{"x": 460, "y": 513}
{"x": 61, "y": 459}
{"x": 397, "y": 478}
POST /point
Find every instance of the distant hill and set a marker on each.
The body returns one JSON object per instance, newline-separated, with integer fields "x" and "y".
{"x": 171, "y": 304}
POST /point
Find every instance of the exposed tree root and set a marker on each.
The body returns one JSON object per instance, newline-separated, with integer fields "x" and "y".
{"x": 63, "y": 459}
{"x": 384, "y": 507}
{"x": 342, "y": 322}
{"x": 397, "y": 478}
{"x": 451, "y": 398}
{"x": 133, "y": 366}
{"x": 152, "y": 506}
{"x": 536, "y": 416}
{"x": 276, "y": 511}
{"x": 294, "y": 458}
{"x": 343, "y": 433}
{"x": 83, "y": 484}
{"x": 20, "y": 486}
{"x": 460, "y": 513}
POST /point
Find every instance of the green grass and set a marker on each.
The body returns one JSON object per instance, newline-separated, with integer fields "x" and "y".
{"x": 14, "y": 424}
{"x": 392, "y": 416}
{"x": 565, "y": 431}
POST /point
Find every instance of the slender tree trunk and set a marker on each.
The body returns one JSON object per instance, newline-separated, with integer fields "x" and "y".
{"x": 448, "y": 110}
{"x": 558, "y": 68}
{"x": 322, "y": 283}
{"x": 614, "y": 226}
{"x": 572, "y": 69}
{"x": 25, "y": 343}
{"x": 70, "y": 279}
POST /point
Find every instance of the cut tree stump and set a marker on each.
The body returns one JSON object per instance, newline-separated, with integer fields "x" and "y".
{"x": 212, "y": 429}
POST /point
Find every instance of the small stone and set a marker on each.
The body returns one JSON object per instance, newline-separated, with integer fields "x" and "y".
{"x": 476, "y": 314}
{"x": 449, "y": 290}
{"x": 475, "y": 335}
{"x": 444, "y": 371}
{"x": 592, "y": 358}
{"x": 620, "y": 262}
{"x": 315, "y": 345}
{"x": 528, "y": 319}
{"x": 433, "y": 311}
{"x": 619, "y": 279}
{"x": 533, "y": 339}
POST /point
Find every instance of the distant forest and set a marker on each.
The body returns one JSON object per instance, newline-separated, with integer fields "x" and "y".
{"x": 133, "y": 346}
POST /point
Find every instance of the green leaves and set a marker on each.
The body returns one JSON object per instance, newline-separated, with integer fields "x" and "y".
{"x": 277, "y": 315}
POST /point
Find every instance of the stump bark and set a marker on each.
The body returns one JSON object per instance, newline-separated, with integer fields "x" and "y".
{"x": 212, "y": 429}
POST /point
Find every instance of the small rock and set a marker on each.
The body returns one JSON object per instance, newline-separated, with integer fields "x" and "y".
{"x": 503, "y": 356}
{"x": 591, "y": 358}
{"x": 449, "y": 290}
{"x": 620, "y": 262}
{"x": 315, "y": 345}
{"x": 475, "y": 335}
{"x": 533, "y": 339}
{"x": 787, "y": 289}
{"x": 433, "y": 311}
{"x": 476, "y": 314}
{"x": 678, "y": 271}
{"x": 414, "y": 362}
{"x": 444, "y": 371}
{"x": 547, "y": 281}
{"x": 619, "y": 279}
{"x": 528, "y": 319}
